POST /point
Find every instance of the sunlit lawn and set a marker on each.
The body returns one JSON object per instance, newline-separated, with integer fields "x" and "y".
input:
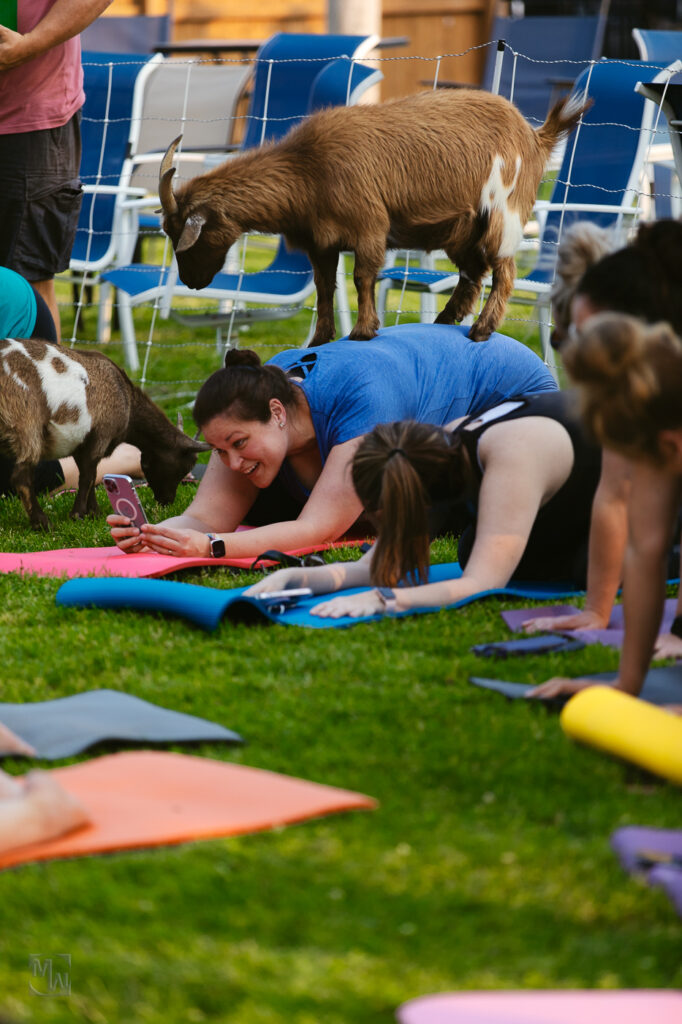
{"x": 486, "y": 865}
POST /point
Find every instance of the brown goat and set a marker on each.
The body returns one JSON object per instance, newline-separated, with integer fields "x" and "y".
{"x": 55, "y": 403}
{"x": 454, "y": 170}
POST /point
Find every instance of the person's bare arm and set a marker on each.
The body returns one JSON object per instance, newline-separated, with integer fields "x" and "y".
{"x": 522, "y": 469}
{"x": 321, "y": 579}
{"x": 652, "y": 508}
{"x": 608, "y": 537}
{"x": 331, "y": 509}
{"x": 65, "y": 19}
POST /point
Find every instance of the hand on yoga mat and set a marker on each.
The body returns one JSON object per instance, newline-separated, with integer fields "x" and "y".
{"x": 354, "y": 606}
{"x": 579, "y": 620}
{"x": 668, "y": 646}
{"x": 35, "y": 810}
{"x": 557, "y": 687}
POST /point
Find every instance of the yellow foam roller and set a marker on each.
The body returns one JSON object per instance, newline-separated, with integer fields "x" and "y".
{"x": 630, "y": 728}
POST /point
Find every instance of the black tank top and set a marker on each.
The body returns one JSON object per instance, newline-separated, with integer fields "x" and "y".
{"x": 557, "y": 546}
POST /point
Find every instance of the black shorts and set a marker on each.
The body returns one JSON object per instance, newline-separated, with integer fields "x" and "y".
{"x": 40, "y": 199}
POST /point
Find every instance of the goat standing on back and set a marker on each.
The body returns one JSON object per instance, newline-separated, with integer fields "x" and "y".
{"x": 55, "y": 403}
{"x": 454, "y": 170}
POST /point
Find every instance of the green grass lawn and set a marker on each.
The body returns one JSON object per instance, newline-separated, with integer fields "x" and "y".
{"x": 486, "y": 864}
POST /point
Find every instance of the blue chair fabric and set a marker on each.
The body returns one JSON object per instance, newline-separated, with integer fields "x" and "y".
{"x": 139, "y": 33}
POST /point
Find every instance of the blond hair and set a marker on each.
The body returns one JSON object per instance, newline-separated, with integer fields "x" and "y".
{"x": 630, "y": 378}
{"x": 583, "y": 244}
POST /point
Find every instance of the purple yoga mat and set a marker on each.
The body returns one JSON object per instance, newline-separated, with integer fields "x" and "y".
{"x": 631, "y": 842}
{"x": 635, "y": 844}
{"x": 612, "y": 636}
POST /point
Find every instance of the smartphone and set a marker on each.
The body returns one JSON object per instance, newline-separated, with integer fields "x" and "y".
{"x": 279, "y": 600}
{"x": 529, "y": 645}
{"x": 123, "y": 497}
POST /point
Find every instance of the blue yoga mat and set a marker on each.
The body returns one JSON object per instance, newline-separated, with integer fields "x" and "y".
{"x": 66, "y": 726}
{"x": 206, "y": 606}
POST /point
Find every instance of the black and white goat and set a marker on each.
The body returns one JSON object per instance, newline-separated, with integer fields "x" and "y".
{"x": 56, "y": 402}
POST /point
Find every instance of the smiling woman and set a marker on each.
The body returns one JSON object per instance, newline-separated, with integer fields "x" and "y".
{"x": 284, "y": 433}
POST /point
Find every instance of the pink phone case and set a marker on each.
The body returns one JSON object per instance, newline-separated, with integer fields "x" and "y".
{"x": 123, "y": 498}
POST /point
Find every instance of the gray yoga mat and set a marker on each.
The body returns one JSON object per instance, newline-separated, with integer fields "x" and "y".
{"x": 661, "y": 686}
{"x": 63, "y": 727}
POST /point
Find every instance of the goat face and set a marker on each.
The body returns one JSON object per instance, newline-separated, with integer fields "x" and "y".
{"x": 165, "y": 467}
{"x": 201, "y": 235}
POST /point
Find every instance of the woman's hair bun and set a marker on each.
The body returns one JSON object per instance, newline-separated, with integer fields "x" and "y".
{"x": 235, "y": 357}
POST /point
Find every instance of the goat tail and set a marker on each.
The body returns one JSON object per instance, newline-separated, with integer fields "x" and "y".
{"x": 562, "y": 119}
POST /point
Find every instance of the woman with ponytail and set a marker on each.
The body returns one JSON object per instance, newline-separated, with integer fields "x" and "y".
{"x": 522, "y": 477}
{"x": 644, "y": 280}
{"x": 284, "y": 433}
{"x": 630, "y": 379}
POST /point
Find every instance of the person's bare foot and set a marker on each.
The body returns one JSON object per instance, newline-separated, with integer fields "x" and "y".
{"x": 56, "y": 810}
{"x": 9, "y": 786}
{"x": 10, "y": 743}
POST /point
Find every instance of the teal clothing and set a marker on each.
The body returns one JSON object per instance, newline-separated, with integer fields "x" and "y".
{"x": 18, "y": 307}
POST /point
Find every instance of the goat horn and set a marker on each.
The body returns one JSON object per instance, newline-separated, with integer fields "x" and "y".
{"x": 166, "y": 172}
{"x": 180, "y": 424}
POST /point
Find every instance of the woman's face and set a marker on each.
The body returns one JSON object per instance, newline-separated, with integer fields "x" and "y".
{"x": 248, "y": 446}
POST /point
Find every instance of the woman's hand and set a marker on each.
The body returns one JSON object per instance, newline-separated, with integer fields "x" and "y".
{"x": 167, "y": 540}
{"x": 578, "y": 620}
{"x": 126, "y": 536}
{"x": 354, "y": 606}
{"x": 283, "y": 579}
{"x": 559, "y": 687}
{"x": 668, "y": 646}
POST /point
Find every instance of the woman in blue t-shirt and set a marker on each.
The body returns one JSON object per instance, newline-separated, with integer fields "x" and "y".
{"x": 284, "y": 434}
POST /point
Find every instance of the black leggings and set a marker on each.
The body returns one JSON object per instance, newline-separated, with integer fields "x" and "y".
{"x": 45, "y": 328}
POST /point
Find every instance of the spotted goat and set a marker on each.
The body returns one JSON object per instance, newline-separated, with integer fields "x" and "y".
{"x": 457, "y": 170}
{"x": 55, "y": 403}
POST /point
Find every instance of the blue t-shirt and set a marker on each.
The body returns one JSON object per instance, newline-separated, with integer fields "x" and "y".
{"x": 431, "y": 373}
{"x": 17, "y": 305}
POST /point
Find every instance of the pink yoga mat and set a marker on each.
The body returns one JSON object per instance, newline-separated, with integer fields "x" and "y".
{"x": 593, "y": 1006}
{"x": 111, "y": 561}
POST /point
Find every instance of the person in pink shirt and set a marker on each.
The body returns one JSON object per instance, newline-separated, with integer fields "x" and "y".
{"x": 41, "y": 94}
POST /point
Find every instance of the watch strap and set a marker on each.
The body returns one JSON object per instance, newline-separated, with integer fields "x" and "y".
{"x": 388, "y": 599}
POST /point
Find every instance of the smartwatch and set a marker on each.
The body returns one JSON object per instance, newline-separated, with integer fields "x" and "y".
{"x": 217, "y": 546}
{"x": 388, "y": 599}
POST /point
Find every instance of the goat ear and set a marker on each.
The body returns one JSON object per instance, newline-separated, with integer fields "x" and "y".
{"x": 190, "y": 232}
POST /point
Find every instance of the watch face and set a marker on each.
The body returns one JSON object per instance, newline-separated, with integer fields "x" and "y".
{"x": 217, "y": 548}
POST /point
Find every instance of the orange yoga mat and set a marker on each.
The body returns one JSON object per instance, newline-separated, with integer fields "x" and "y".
{"x": 148, "y": 798}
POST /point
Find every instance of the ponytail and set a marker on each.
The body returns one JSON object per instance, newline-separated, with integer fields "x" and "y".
{"x": 394, "y": 470}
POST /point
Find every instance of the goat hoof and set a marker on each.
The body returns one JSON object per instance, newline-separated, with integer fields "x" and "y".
{"x": 360, "y": 334}
{"x": 41, "y": 524}
{"x": 479, "y": 333}
{"x": 445, "y": 318}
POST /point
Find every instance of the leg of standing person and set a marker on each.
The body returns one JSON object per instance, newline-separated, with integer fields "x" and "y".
{"x": 40, "y": 200}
